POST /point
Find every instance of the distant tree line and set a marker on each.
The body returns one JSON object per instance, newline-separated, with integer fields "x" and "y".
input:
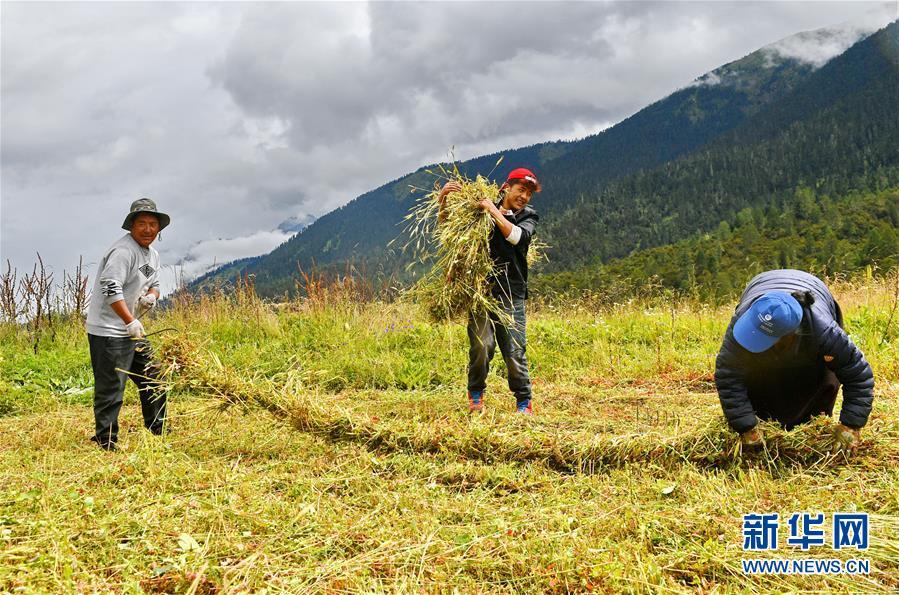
{"x": 820, "y": 234}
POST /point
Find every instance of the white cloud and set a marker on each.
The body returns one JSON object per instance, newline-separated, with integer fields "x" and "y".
{"x": 709, "y": 80}
{"x": 819, "y": 47}
{"x": 204, "y": 255}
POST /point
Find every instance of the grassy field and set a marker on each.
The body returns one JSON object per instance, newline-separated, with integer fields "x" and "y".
{"x": 327, "y": 447}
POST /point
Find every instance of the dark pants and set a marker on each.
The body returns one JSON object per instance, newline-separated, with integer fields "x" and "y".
{"x": 113, "y": 360}
{"x": 484, "y": 333}
{"x": 798, "y": 403}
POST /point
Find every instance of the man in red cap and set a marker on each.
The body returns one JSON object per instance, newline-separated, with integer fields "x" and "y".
{"x": 514, "y": 227}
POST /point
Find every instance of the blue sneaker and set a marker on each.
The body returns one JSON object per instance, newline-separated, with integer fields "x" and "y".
{"x": 524, "y": 407}
{"x": 475, "y": 404}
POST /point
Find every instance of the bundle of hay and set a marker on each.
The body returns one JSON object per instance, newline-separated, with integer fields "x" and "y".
{"x": 456, "y": 239}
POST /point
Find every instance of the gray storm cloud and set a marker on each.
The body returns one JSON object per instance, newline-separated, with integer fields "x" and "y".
{"x": 237, "y": 116}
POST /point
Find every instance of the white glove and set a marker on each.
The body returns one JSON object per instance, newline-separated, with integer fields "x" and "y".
{"x": 148, "y": 301}
{"x": 752, "y": 438}
{"x": 136, "y": 329}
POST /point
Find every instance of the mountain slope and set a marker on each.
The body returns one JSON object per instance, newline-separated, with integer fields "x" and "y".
{"x": 358, "y": 232}
{"x": 836, "y": 132}
{"x": 646, "y": 181}
{"x": 686, "y": 120}
{"x": 813, "y": 232}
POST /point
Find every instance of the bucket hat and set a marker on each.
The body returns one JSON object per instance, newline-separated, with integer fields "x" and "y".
{"x": 145, "y": 205}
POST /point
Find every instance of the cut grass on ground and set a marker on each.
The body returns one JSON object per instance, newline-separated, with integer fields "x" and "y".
{"x": 345, "y": 460}
{"x": 240, "y": 501}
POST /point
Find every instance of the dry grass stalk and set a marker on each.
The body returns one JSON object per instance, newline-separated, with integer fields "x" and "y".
{"x": 9, "y": 308}
{"x": 456, "y": 237}
{"x": 322, "y": 291}
{"x": 186, "y": 365}
{"x": 74, "y": 290}
{"x": 884, "y": 542}
{"x": 36, "y": 291}
{"x": 245, "y": 290}
{"x": 33, "y": 299}
{"x": 893, "y": 307}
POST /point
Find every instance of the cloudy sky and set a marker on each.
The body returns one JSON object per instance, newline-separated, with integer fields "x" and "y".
{"x": 237, "y": 116}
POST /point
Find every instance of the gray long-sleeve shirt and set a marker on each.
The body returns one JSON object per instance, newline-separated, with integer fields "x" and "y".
{"x": 126, "y": 272}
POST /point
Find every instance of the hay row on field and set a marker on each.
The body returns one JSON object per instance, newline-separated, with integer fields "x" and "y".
{"x": 713, "y": 447}
{"x": 571, "y": 451}
{"x": 187, "y": 366}
{"x": 515, "y": 441}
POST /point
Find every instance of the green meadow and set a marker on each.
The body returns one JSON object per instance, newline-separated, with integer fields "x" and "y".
{"x": 324, "y": 445}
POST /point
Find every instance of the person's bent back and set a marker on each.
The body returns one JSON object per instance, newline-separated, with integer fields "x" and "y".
{"x": 785, "y": 355}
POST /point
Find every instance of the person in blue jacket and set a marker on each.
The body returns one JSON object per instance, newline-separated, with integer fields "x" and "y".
{"x": 784, "y": 357}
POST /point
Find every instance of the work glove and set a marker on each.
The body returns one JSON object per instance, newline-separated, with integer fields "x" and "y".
{"x": 148, "y": 301}
{"x": 752, "y": 438}
{"x": 135, "y": 328}
{"x": 845, "y": 439}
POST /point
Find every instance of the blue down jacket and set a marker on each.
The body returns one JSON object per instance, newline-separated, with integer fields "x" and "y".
{"x": 822, "y": 343}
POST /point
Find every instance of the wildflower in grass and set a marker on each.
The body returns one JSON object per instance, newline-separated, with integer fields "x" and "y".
{"x": 785, "y": 355}
{"x": 127, "y": 285}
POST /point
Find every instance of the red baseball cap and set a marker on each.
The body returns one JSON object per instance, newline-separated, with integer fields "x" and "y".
{"x": 525, "y": 174}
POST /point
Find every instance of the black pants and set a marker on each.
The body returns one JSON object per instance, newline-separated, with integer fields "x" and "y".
{"x": 484, "y": 334}
{"x": 113, "y": 360}
{"x": 794, "y": 403}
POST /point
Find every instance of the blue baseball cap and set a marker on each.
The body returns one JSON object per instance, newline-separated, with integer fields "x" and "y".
{"x": 769, "y": 318}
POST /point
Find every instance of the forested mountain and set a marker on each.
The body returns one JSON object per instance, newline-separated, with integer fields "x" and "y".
{"x": 357, "y": 233}
{"x": 747, "y": 135}
{"x": 836, "y": 132}
{"x": 818, "y": 233}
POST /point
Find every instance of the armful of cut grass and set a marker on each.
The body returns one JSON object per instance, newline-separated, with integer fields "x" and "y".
{"x": 455, "y": 237}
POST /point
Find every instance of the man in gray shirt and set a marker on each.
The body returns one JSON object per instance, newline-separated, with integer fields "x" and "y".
{"x": 126, "y": 287}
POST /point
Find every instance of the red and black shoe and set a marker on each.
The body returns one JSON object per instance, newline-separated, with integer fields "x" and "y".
{"x": 475, "y": 401}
